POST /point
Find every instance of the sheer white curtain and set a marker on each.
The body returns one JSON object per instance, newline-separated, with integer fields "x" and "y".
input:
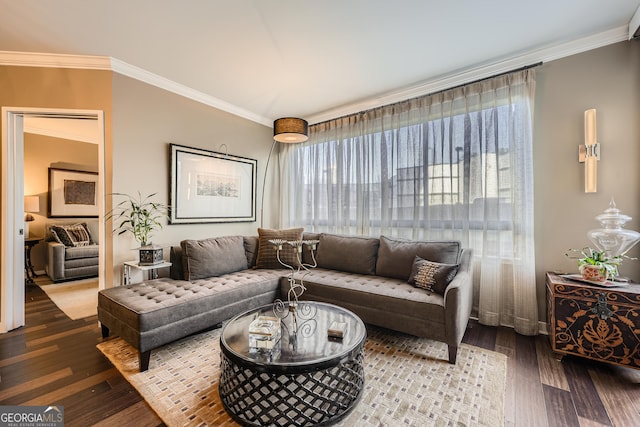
{"x": 453, "y": 165}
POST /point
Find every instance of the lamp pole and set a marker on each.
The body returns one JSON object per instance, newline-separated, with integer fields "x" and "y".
{"x": 264, "y": 184}
{"x": 288, "y": 130}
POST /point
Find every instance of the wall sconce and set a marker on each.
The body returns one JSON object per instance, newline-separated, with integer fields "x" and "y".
{"x": 589, "y": 153}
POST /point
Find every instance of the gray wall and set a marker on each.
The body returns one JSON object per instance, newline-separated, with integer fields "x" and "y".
{"x": 145, "y": 120}
{"x": 607, "y": 79}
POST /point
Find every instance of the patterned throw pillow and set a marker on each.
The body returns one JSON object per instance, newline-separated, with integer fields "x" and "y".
{"x": 72, "y": 235}
{"x": 267, "y": 254}
{"x": 432, "y": 276}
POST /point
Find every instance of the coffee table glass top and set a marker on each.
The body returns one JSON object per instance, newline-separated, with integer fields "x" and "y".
{"x": 310, "y": 345}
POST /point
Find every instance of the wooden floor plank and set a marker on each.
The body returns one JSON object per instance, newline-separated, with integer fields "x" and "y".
{"x": 60, "y": 335}
{"x": 618, "y": 397}
{"x": 530, "y": 409}
{"x": 75, "y": 387}
{"x": 137, "y": 415}
{"x": 506, "y": 344}
{"x": 29, "y": 355}
{"x": 551, "y": 371}
{"x": 560, "y": 409}
{"x": 30, "y": 385}
{"x": 585, "y": 396}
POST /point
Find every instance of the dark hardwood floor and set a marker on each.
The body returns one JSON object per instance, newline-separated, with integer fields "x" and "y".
{"x": 53, "y": 361}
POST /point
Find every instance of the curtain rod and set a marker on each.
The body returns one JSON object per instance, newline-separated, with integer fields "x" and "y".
{"x": 523, "y": 68}
{"x": 515, "y": 70}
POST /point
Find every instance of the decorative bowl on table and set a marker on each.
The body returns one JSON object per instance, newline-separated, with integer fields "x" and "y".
{"x": 594, "y": 273}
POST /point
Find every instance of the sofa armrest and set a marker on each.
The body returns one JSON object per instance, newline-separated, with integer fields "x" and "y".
{"x": 458, "y": 300}
{"x": 55, "y": 260}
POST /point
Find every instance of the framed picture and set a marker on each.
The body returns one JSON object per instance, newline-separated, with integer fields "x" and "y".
{"x": 207, "y": 186}
{"x": 72, "y": 194}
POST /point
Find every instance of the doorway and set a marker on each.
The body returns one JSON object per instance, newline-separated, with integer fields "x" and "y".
{"x": 12, "y": 227}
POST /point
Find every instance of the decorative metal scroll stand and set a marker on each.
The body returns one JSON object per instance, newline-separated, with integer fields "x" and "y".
{"x": 298, "y": 311}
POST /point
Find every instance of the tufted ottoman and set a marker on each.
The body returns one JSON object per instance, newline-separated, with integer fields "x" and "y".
{"x": 153, "y": 313}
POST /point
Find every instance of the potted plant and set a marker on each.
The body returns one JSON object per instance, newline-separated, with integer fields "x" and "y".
{"x": 596, "y": 266}
{"x": 140, "y": 217}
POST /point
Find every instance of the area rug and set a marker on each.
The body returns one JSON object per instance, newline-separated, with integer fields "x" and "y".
{"x": 77, "y": 299}
{"x": 408, "y": 382}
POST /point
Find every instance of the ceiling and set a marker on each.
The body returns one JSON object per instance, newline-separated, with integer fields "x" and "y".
{"x": 313, "y": 59}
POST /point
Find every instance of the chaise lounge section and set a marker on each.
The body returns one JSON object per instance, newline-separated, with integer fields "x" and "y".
{"x": 214, "y": 279}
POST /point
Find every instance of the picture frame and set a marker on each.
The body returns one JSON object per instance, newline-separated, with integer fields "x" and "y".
{"x": 210, "y": 187}
{"x": 72, "y": 194}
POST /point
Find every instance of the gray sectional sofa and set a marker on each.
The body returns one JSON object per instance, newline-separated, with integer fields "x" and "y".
{"x": 214, "y": 279}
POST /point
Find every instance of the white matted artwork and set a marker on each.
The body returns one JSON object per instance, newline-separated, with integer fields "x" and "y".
{"x": 72, "y": 194}
{"x": 207, "y": 186}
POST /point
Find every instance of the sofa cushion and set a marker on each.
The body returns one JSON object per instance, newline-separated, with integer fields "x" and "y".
{"x": 251, "y": 250}
{"x": 432, "y": 276}
{"x": 306, "y": 253}
{"x": 395, "y": 257}
{"x": 176, "y": 271}
{"x": 352, "y": 254}
{"x": 212, "y": 257}
{"x": 267, "y": 254}
{"x": 91, "y": 251}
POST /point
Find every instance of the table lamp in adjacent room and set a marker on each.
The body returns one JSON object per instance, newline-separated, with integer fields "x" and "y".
{"x": 31, "y": 205}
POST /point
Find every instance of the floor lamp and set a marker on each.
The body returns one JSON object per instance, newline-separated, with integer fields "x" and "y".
{"x": 288, "y": 130}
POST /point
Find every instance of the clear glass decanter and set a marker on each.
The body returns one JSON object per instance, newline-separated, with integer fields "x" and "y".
{"x": 612, "y": 238}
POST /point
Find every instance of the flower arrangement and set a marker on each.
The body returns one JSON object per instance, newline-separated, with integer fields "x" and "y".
{"x": 596, "y": 265}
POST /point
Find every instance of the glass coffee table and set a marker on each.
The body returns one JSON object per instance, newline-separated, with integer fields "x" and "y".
{"x": 307, "y": 378}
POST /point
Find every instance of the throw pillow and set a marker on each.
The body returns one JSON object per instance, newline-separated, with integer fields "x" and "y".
{"x": 212, "y": 257}
{"x": 71, "y": 235}
{"x": 432, "y": 276}
{"x": 267, "y": 254}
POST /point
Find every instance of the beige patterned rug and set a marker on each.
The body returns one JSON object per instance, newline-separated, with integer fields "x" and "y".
{"x": 77, "y": 299}
{"x": 408, "y": 382}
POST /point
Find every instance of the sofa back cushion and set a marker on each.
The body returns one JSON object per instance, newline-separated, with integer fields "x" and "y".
{"x": 396, "y": 256}
{"x": 213, "y": 257}
{"x": 175, "y": 257}
{"x": 306, "y": 253}
{"x": 352, "y": 254}
{"x": 251, "y": 250}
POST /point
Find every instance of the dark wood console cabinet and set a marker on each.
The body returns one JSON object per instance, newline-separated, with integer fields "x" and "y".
{"x": 600, "y": 323}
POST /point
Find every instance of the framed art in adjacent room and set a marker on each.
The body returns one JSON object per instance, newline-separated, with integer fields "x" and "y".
{"x": 72, "y": 194}
{"x": 207, "y": 186}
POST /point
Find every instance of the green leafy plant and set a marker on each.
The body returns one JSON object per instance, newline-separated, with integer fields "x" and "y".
{"x": 138, "y": 216}
{"x": 588, "y": 256}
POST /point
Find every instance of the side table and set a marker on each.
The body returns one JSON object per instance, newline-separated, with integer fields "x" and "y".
{"x": 152, "y": 270}
{"x": 595, "y": 322}
{"x": 29, "y": 243}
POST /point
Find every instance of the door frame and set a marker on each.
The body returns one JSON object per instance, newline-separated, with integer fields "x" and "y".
{"x": 12, "y": 287}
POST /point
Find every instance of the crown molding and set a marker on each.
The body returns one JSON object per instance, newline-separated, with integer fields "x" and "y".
{"x": 546, "y": 54}
{"x": 145, "y": 76}
{"x": 54, "y": 60}
{"x": 634, "y": 25}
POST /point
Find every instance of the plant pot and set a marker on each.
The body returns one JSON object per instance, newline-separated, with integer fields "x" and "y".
{"x": 150, "y": 255}
{"x": 593, "y": 273}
